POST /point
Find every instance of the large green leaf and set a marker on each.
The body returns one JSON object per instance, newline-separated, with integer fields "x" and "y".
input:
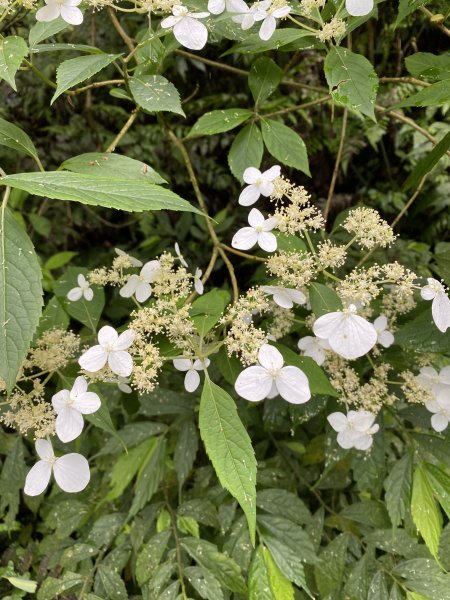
{"x": 285, "y": 145}
{"x": 424, "y": 510}
{"x": 13, "y": 50}
{"x": 13, "y": 137}
{"x": 43, "y": 30}
{"x": 323, "y": 299}
{"x": 329, "y": 570}
{"x": 436, "y": 95}
{"x": 219, "y": 121}
{"x": 440, "y": 484}
{"x": 264, "y": 77}
{"x": 246, "y": 150}
{"x": 265, "y": 580}
{"x": 119, "y": 193}
{"x": 155, "y": 93}
{"x": 20, "y": 295}
{"x": 229, "y": 447}
{"x": 207, "y": 310}
{"x": 398, "y": 489}
{"x": 112, "y": 165}
{"x": 427, "y": 164}
{"x": 75, "y": 70}
{"x": 422, "y": 335}
{"x": 352, "y": 80}
{"x": 432, "y": 66}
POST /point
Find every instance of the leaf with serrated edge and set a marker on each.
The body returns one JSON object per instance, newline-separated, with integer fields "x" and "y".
{"x": 13, "y": 50}
{"x": 424, "y": 510}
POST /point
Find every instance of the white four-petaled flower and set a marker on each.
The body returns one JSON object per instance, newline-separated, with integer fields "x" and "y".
{"x": 270, "y": 378}
{"x": 355, "y": 429}
{"x": 66, "y": 9}
{"x": 284, "y": 297}
{"x": 198, "y": 283}
{"x": 266, "y": 11}
{"x": 258, "y": 184}
{"x": 433, "y": 381}
{"x": 70, "y": 406}
{"x": 384, "y": 337}
{"x": 440, "y": 406}
{"x": 234, "y": 7}
{"x": 71, "y": 471}
{"x": 111, "y": 349}
{"x": 348, "y": 334}
{"x": 180, "y": 256}
{"x": 359, "y": 8}
{"x": 83, "y": 290}
{"x": 191, "y": 367}
{"x": 188, "y": 31}
{"x": 257, "y": 233}
{"x": 314, "y": 347}
{"x": 440, "y": 308}
{"x": 140, "y": 285}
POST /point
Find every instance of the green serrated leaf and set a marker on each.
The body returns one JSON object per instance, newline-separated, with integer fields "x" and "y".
{"x": 118, "y": 193}
{"x": 427, "y": 164}
{"x": 13, "y": 50}
{"x": 43, "y": 30}
{"x": 398, "y": 489}
{"x": 246, "y": 150}
{"x": 285, "y": 145}
{"x": 329, "y": 571}
{"x": 20, "y": 296}
{"x": 424, "y": 510}
{"x": 323, "y": 299}
{"x": 229, "y": 447}
{"x": 13, "y": 137}
{"x": 185, "y": 451}
{"x": 155, "y": 93}
{"x": 207, "y": 310}
{"x": 352, "y": 80}
{"x": 264, "y": 77}
{"x": 219, "y": 121}
{"x": 431, "y": 66}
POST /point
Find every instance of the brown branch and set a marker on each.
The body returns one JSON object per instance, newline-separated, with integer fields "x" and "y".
{"x": 120, "y": 30}
{"x": 435, "y": 20}
{"x": 409, "y": 202}
{"x": 98, "y": 84}
{"x": 411, "y": 80}
{"x": 123, "y": 131}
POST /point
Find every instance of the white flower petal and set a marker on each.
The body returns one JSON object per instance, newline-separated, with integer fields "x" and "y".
{"x": 338, "y": 421}
{"x": 93, "y": 359}
{"x": 361, "y": 420}
{"x": 60, "y": 400}
{"x": 190, "y": 33}
{"x": 251, "y": 175}
{"x": 247, "y": 21}
{"x": 130, "y": 287}
{"x": 255, "y": 218}
{"x": 48, "y": 13}
{"x": 143, "y": 291}
{"x": 80, "y": 386}
{"x": 266, "y": 188}
{"x": 283, "y": 299}
{"x": 282, "y": 12}
{"x": 386, "y": 339}
{"x": 440, "y": 309}
{"x": 120, "y": 363}
{"x": 182, "y": 364}
{"x": 267, "y": 28}
{"x": 293, "y": 385}
{"x": 272, "y": 173}
{"x": 249, "y": 195}
{"x": 150, "y": 270}
{"x": 346, "y": 439}
{"x": 87, "y": 403}
{"x": 74, "y": 294}
{"x": 69, "y": 424}
{"x": 124, "y": 340}
{"x": 44, "y": 449}
{"x": 353, "y": 338}
{"x": 427, "y": 293}
{"x": 72, "y": 472}
{"x": 363, "y": 441}
{"x": 244, "y": 239}
{"x": 37, "y": 478}
{"x": 71, "y": 15}
{"x": 359, "y": 8}
{"x": 191, "y": 380}
{"x": 267, "y": 241}
{"x": 236, "y": 6}
{"x": 380, "y": 323}
{"x": 270, "y": 358}
{"x": 444, "y": 375}
{"x": 326, "y": 325}
{"x": 216, "y": 7}
{"x": 198, "y": 285}
{"x": 439, "y": 422}
{"x": 88, "y": 294}
{"x": 170, "y": 21}
{"x": 253, "y": 383}
{"x": 107, "y": 336}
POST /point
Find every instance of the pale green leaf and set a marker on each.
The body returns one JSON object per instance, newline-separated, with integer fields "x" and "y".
{"x": 75, "y": 70}
{"x": 20, "y": 296}
{"x": 229, "y": 447}
{"x": 424, "y": 510}
{"x": 43, "y": 30}
{"x": 155, "y": 93}
{"x": 352, "y": 80}
{"x": 13, "y": 50}
{"x": 207, "y": 310}
{"x": 27, "y": 585}
{"x": 219, "y": 121}
{"x": 440, "y": 484}
{"x": 436, "y": 94}
{"x": 13, "y": 137}
{"x": 118, "y": 193}
{"x": 425, "y": 64}
{"x": 246, "y": 150}
{"x": 285, "y": 145}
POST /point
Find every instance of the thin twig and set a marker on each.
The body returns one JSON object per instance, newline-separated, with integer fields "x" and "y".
{"x": 409, "y": 202}
{"x": 411, "y": 80}
{"x": 243, "y": 254}
{"x": 435, "y": 21}
{"x": 336, "y": 165}
{"x": 120, "y": 30}
{"x": 98, "y": 84}
{"x": 116, "y": 141}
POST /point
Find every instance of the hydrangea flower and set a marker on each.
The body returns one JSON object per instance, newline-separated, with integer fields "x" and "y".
{"x": 111, "y": 349}
{"x": 134, "y": 261}
{"x": 192, "y": 378}
{"x": 71, "y": 471}
{"x": 359, "y": 8}
{"x": 257, "y": 233}
{"x": 266, "y": 11}
{"x": 188, "y": 31}
{"x": 440, "y": 308}
{"x": 198, "y": 283}
{"x": 66, "y": 9}
{"x": 348, "y": 334}
{"x": 217, "y": 7}
{"x": 284, "y": 297}
{"x": 70, "y": 406}
{"x": 355, "y": 429}
{"x": 384, "y": 337}
{"x": 258, "y": 184}
{"x": 270, "y": 378}
{"x": 314, "y": 348}
{"x": 440, "y": 406}
{"x": 433, "y": 381}
{"x": 83, "y": 290}
{"x": 139, "y": 285}
{"x": 180, "y": 256}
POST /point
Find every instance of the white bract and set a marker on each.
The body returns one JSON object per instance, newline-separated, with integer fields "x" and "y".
{"x": 70, "y": 406}
{"x": 236, "y": 7}
{"x": 198, "y": 283}
{"x": 134, "y": 261}
{"x": 440, "y": 308}
{"x": 440, "y": 406}
{"x": 270, "y": 378}
{"x": 266, "y": 11}
{"x": 359, "y": 8}
{"x": 66, "y": 9}
{"x": 82, "y": 291}
{"x": 355, "y": 429}
{"x": 111, "y": 349}
{"x": 139, "y": 285}
{"x": 433, "y": 381}
{"x": 384, "y": 337}
{"x": 188, "y": 31}
{"x": 122, "y": 384}
{"x": 348, "y": 334}
{"x": 259, "y": 184}
{"x": 314, "y": 347}
{"x": 284, "y": 297}
{"x": 71, "y": 471}
{"x": 180, "y": 256}
{"x": 191, "y": 367}
{"x": 257, "y": 233}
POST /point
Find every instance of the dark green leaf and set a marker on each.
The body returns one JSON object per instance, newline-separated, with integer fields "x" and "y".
{"x": 155, "y": 93}
{"x": 285, "y": 145}
{"x": 246, "y": 150}
{"x": 264, "y": 77}
{"x": 219, "y": 121}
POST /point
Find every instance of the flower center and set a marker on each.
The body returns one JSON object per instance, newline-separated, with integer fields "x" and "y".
{"x": 259, "y": 229}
